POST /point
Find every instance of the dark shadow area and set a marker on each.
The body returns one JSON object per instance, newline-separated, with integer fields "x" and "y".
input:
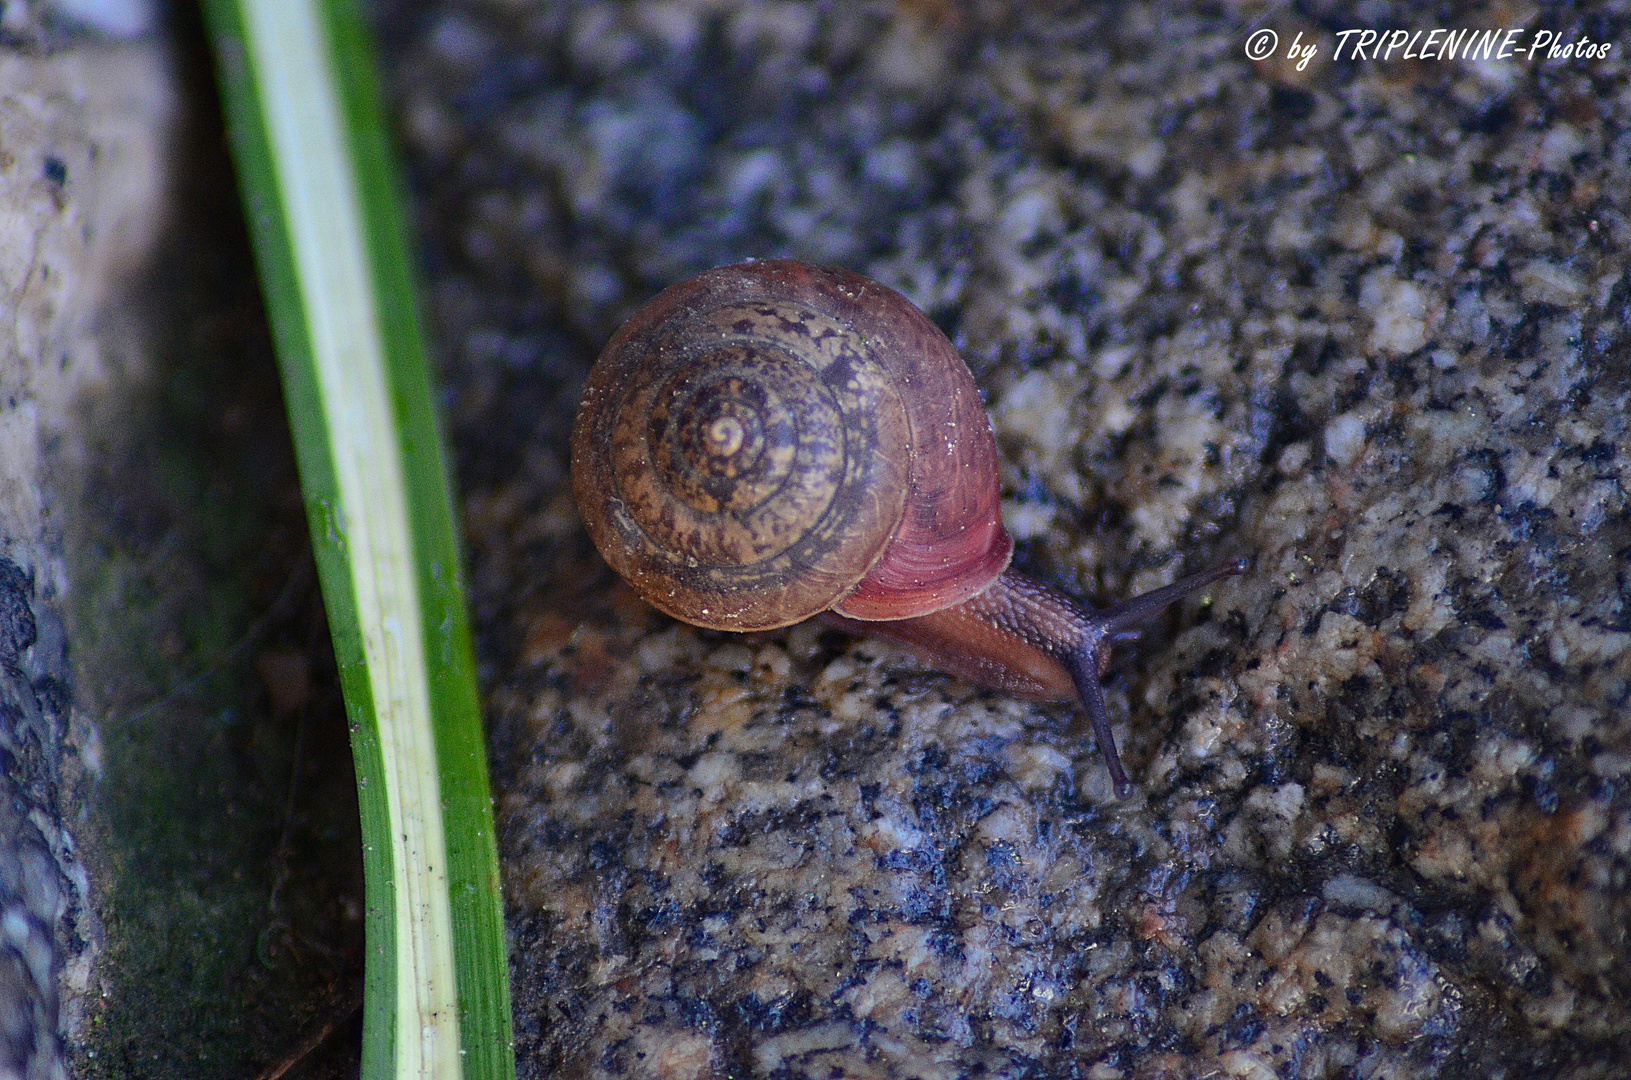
{"x": 221, "y": 832}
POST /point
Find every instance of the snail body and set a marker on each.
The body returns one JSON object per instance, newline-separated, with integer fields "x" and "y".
{"x": 765, "y": 443}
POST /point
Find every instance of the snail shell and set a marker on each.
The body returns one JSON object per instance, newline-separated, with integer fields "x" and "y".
{"x": 764, "y": 442}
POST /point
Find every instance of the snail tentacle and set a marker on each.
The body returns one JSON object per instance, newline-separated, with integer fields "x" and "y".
{"x": 1090, "y": 656}
{"x": 1083, "y": 666}
{"x": 1027, "y": 639}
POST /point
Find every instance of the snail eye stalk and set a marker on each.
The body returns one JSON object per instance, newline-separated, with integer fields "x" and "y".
{"x": 1088, "y": 660}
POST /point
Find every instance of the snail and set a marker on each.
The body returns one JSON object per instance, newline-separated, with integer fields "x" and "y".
{"x": 765, "y": 443}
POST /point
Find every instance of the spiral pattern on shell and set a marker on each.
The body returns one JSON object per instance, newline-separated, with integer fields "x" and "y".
{"x": 747, "y": 452}
{"x": 763, "y": 442}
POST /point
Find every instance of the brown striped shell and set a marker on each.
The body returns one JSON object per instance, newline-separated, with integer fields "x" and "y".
{"x": 767, "y": 441}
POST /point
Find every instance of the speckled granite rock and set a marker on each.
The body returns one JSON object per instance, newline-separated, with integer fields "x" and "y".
{"x": 1366, "y": 323}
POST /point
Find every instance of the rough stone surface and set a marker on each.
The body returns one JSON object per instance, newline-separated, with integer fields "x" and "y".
{"x": 180, "y": 878}
{"x": 77, "y": 160}
{"x": 1365, "y": 322}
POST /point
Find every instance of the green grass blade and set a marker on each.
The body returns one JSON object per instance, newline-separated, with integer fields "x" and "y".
{"x": 319, "y": 186}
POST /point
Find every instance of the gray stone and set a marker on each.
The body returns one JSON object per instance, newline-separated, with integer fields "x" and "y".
{"x": 1365, "y": 323}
